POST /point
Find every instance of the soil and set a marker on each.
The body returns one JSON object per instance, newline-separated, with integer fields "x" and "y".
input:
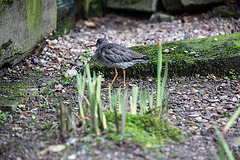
{"x": 196, "y": 105}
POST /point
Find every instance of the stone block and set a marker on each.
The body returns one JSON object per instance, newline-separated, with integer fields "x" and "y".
{"x": 138, "y": 5}
{"x": 174, "y": 6}
{"x": 23, "y": 25}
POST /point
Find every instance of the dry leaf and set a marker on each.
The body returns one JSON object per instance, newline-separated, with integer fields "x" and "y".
{"x": 39, "y": 50}
{"x": 90, "y": 24}
{"x": 58, "y": 87}
{"x": 56, "y": 148}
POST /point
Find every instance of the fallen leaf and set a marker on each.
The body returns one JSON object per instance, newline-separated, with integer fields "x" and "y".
{"x": 56, "y": 148}
{"x": 208, "y": 127}
{"x": 39, "y": 50}
{"x": 22, "y": 116}
{"x": 58, "y": 87}
{"x": 90, "y": 24}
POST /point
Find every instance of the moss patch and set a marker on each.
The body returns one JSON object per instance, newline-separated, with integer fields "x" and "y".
{"x": 16, "y": 90}
{"x": 216, "y": 55}
{"x": 34, "y": 17}
{"x": 144, "y": 130}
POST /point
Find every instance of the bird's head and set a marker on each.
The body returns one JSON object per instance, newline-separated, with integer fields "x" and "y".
{"x": 101, "y": 42}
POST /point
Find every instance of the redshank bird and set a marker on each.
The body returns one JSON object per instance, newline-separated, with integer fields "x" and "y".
{"x": 117, "y": 56}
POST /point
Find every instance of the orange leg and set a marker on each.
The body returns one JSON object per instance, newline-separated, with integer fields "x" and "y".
{"x": 116, "y": 74}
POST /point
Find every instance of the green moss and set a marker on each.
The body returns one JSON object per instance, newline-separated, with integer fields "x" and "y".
{"x": 217, "y": 55}
{"x": 144, "y": 130}
{"x": 219, "y": 11}
{"x": 7, "y": 44}
{"x": 7, "y": 1}
{"x": 34, "y": 17}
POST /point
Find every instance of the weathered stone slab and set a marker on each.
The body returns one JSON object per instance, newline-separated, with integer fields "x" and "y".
{"x": 139, "y": 5}
{"x": 23, "y": 24}
{"x": 184, "y": 5}
{"x": 212, "y": 55}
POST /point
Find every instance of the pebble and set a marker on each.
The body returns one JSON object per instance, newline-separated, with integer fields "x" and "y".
{"x": 198, "y": 118}
{"x": 71, "y": 73}
{"x": 166, "y": 51}
{"x": 192, "y": 53}
{"x": 177, "y": 110}
{"x": 223, "y": 97}
{"x": 196, "y": 55}
{"x": 194, "y": 115}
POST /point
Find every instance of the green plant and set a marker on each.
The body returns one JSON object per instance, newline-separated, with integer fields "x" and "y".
{"x": 160, "y": 85}
{"x": 65, "y": 117}
{"x": 90, "y": 102}
{"x": 93, "y": 99}
{"x": 81, "y": 79}
{"x": 3, "y": 117}
{"x": 224, "y": 149}
{"x": 233, "y": 73}
{"x": 133, "y": 100}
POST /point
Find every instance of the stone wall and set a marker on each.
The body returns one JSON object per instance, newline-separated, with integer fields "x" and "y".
{"x": 23, "y": 25}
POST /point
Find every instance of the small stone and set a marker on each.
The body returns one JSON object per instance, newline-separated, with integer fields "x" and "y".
{"x": 71, "y": 73}
{"x": 196, "y": 55}
{"x": 185, "y": 51}
{"x": 202, "y": 120}
{"x": 79, "y": 64}
{"x": 72, "y": 157}
{"x": 166, "y": 51}
{"x": 185, "y": 97}
{"x": 197, "y": 101}
{"x": 177, "y": 110}
{"x": 150, "y": 80}
{"x": 223, "y": 97}
{"x": 198, "y": 118}
{"x": 194, "y": 115}
{"x": 43, "y": 85}
{"x": 234, "y": 99}
{"x": 192, "y": 53}
{"x": 132, "y": 85}
{"x": 53, "y": 42}
{"x": 194, "y": 127}
{"x": 213, "y": 100}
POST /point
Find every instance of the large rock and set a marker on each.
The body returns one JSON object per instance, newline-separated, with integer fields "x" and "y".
{"x": 161, "y": 17}
{"x": 23, "y": 25}
{"x": 139, "y": 5}
{"x": 185, "y": 5}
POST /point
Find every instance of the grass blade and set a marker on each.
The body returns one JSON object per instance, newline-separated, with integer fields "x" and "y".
{"x": 110, "y": 99}
{"x": 231, "y": 121}
{"x": 92, "y": 99}
{"x": 224, "y": 145}
{"x": 162, "y": 89}
{"x": 123, "y": 103}
{"x": 133, "y": 101}
{"x": 143, "y": 98}
{"x": 150, "y": 100}
{"x": 81, "y": 87}
{"x": 159, "y": 70}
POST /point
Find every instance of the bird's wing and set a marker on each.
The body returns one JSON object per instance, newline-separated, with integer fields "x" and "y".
{"x": 117, "y": 53}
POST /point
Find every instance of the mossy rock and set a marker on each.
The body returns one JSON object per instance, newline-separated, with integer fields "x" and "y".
{"x": 143, "y": 130}
{"x": 216, "y": 55}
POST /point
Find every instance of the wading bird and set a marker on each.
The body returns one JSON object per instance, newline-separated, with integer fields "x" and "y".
{"x": 117, "y": 56}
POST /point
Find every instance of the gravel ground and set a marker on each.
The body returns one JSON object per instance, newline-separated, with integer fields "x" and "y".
{"x": 197, "y": 104}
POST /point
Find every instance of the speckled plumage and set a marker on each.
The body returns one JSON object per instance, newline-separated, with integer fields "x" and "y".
{"x": 117, "y": 56}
